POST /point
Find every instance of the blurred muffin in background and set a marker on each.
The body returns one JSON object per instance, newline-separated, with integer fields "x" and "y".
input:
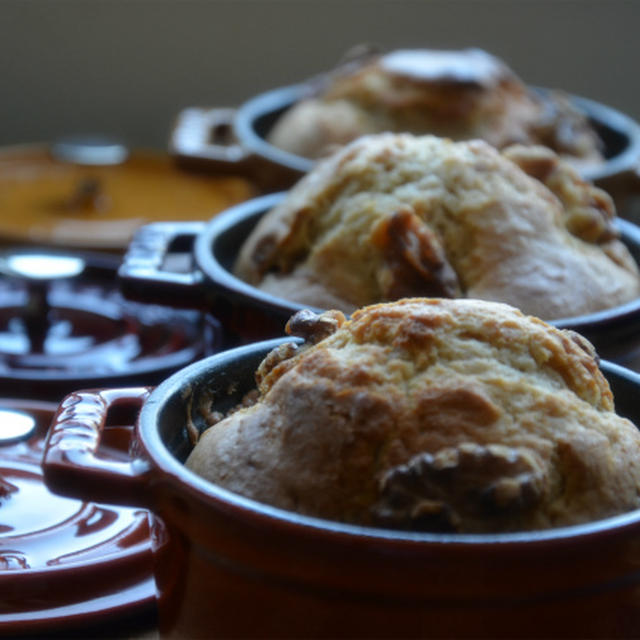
{"x": 462, "y": 95}
{"x": 396, "y": 215}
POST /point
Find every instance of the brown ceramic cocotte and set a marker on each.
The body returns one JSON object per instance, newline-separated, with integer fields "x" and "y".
{"x": 227, "y": 566}
{"x": 236, "y": 141}
{"x": 247, "y": 313}
{"x": 65, "y": 564}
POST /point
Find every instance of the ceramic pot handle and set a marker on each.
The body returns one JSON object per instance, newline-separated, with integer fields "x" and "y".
{"x": 205, "y": 138}
{"x": 157, "y": 266}
{"x": 73, "y": 465}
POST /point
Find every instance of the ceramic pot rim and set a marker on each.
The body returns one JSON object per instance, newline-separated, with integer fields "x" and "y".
{"x": 173, "y": 471}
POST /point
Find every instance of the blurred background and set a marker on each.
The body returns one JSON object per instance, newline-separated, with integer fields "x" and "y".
{"x": 126, "y": 67}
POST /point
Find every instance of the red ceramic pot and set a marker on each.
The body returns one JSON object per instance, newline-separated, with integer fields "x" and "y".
{"x": 227, "y": 566}
{"x": 236, "y": 141}
{"x": 66, "y": 564}
{"x": 248, "y": 313}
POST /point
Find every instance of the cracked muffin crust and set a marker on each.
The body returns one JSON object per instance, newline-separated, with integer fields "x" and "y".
{"x": 463, "y": 95}
{"x": 397, "y": 215}
{"x": 432, "y": 415}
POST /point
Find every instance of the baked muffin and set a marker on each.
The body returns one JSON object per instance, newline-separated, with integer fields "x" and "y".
{"x": 430, "y": 414}
{"x": 396, "y": 215}
{"x": 462, "y": 95}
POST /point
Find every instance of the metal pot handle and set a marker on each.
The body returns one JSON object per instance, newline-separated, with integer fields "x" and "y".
{"x": 72, "y": 463}
{"x": 158, "y": 266}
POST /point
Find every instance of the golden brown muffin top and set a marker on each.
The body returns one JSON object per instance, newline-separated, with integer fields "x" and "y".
{"x": 436, "y": 415}
{"x": 397, "y": 215}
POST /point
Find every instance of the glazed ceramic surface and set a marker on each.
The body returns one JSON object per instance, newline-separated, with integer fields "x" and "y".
{"x": 227, "y": 566}
{"x": 61, "y": 330}
{"x": 63, "y": 562}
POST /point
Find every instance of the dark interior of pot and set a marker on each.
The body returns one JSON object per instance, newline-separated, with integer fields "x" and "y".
{"x": 218, "y": 387}
{"x": 225, "y": 246}
{"x": 265, "y": 121}
{"x": 624, "y": 385}
{"x": 615, "y": 141}
{"x": 216, "y": 253}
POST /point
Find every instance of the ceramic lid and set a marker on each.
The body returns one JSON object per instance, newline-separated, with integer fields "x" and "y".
{"x": 64, "y": 326}
{"x": 63, "y": 562}
{"x": 93, "y": 193}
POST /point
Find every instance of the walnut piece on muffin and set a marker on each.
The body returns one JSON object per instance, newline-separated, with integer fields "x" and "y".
{"x": 463, "y": 95}
{"x": 432, "y": 415}
{"x": 397, "y": 215}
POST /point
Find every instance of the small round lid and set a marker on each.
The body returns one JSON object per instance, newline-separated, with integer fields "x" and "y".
{"x": 93, "y": 193}
{"x": 65, "y": 326}
{"x": 64, "y": 562}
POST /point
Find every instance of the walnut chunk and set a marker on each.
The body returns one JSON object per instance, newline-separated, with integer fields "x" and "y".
{"x": 565, "y": 128}
{"x": 416, "y": 263}
{"x": 537, "y": 161}
{"x": 211, "y": 416}
{"x": 281, "y": 353}
{"x": 438, "y": 492}
{"x": 588, "y": 211}
{"x": 592, "y": 219}
{"x": 314, "y": 327}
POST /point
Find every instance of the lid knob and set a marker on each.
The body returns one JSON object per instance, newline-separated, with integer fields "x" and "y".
{"x": 90, "y": 150}
{"x": 37, "y": 271}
